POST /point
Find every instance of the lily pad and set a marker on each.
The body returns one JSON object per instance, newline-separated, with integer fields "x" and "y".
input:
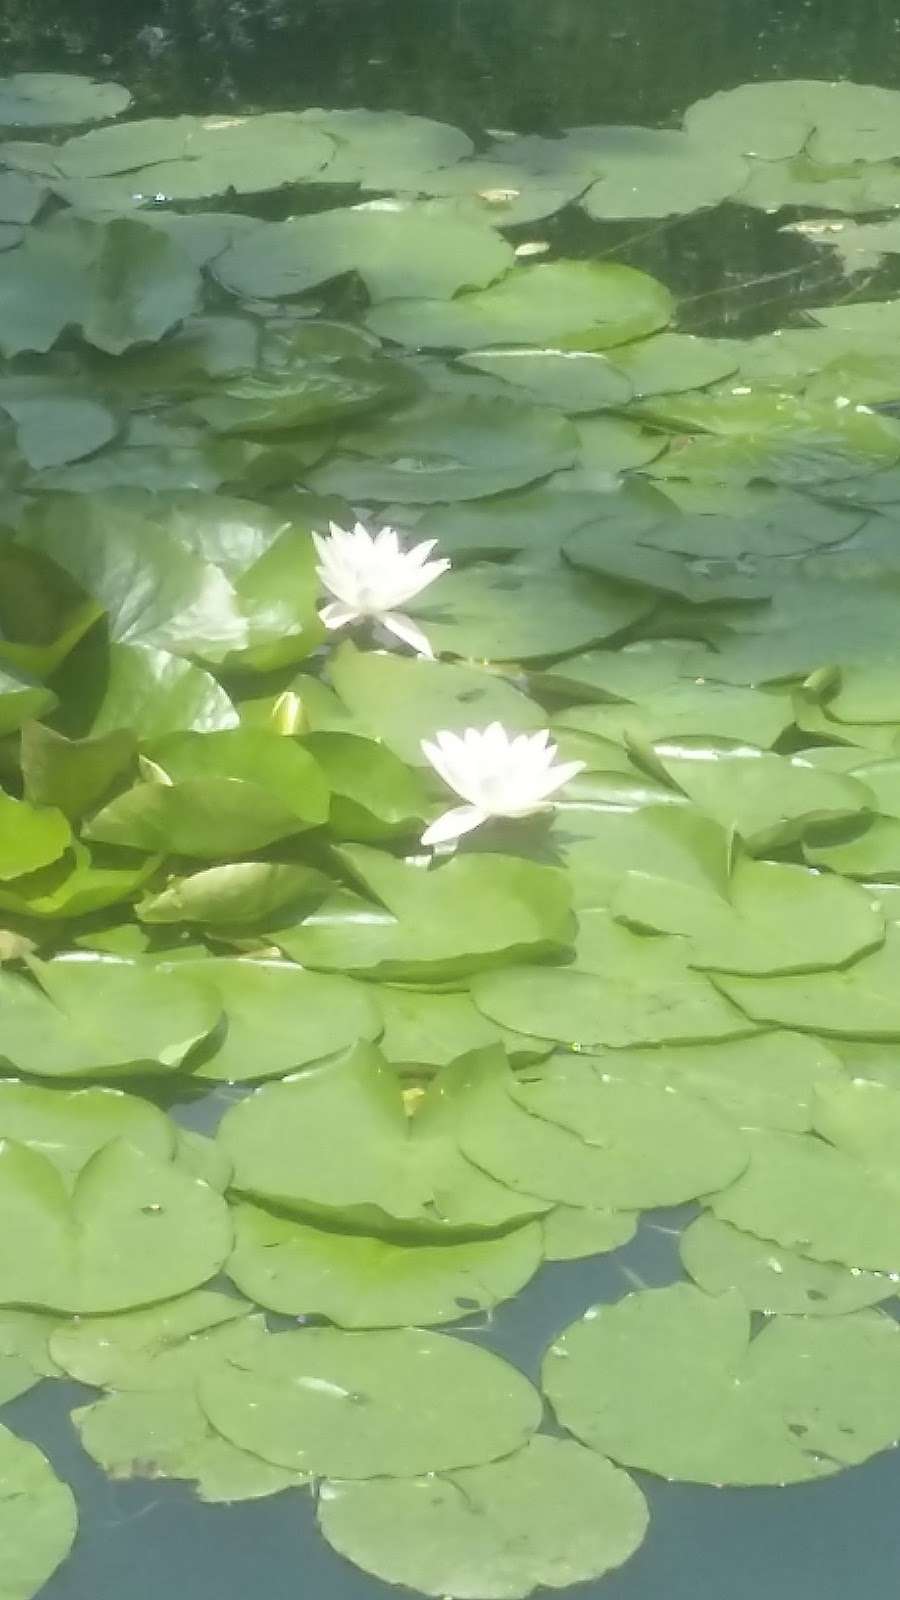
{"x": 69, "y": 1126}
{"x": 24, "y": 1352}
{"x": 370, "y": 1405}
{"x": 451, "y": 450}
{"x": 160, "y": 1347}
{"x": 638, "y": 1147}
{"x": 365, "y": 1282}
{"x": 134, "y": 1230}
{"x": 550, "y": 1515}
{"x": 395, "y": 1173}
{"x": 277, "y": 1018}
{"x": 403, "y": 251}
{"x": 572, "y": 1233}
{"x": 217, "y": 794}
{"x": 774, "y": 1280}
{"x": 574, "y": 380}
{"x": 518, "y": 613}
{"x": 416, "y": 924}
{"x": 576, "y": 305}
{"x": 58, "y": 99}
{"x": 779, "y": 919}
{"x": 138, "y": 1435}
{"x": 101, "y": 1018}
{"x": 801, "y": 1400}
{"x": 240, "y": 894}
{"x": 30, "y": 836}
{"x": 402, "y": 701}
{"x": 809, "y": 1197}
{"x": 857, "y": 1003}
{"x": 832, "y": 122}
{"x": 38, "y": 1519}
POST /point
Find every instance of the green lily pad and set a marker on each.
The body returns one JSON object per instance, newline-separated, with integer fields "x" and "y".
{"x": 187, "y": 158}
{"x": 380, "y": 149}
{"x": 160, "y": 1347}
{"x": 656, "y": 172}
{"x": 550, "y": 1515}
{"x": 401, "y": 251}
{"x": 394, "y": 1171}
{"x": 815, "y": 1199}
{"x": 78, "y": 883}
{"x": 513, "y": 612}
{"x": 58, "y": 99}
{"x": 219, "y": 794}
{"x": 774, "y": 1280}
{"x": 770, "y": 1080}
{"x": 134, "y": 1230}
{"x": 576, "y": 305}
{"x": 424, "y": 1030}
{"x": 416, "y": 924}
{"x": 804, "y": 1398}
{"x": 72, "y": 774}
{"x": 599, "y": 847}
{"x": 21, "y": 698}
{"x": 363, "y": 1405}
{"x": 770, "y": 800}
{"x": 30, "y": 836}
{"x": 636, "y": 991}
{"x": 277, "y": 1018}
{"x": 240, "y": 894}
{"x": 364, "y": 1282}
{"x": 137, "y": 1435}
{"x": 573, "y": 380}
{"x": 779, "y": 919}
{"x": 24, "y": 1352}
{"x": 451, "y": 450}
{"x": 583, "y": 1142}
{"x": 69, "y": 1126}
{"x": 832, "y": 122}
{"x": 119, "y": 282}
{"x": 374, "y": 795}
{"x": 402, "y": 701}
{"x": 669, "y": 363}
{"x": 88, "y": 1018}
{"x": 573, "y": 1232}
{"x": 857, "y": 1003}
{"x": 38, "y": 1519}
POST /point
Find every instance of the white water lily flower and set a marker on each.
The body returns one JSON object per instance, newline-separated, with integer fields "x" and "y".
{"x": 369, "y": 576}
{"x": 496, "y": 774}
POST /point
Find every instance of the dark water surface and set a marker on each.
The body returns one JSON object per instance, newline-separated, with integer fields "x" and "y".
{"x": 533, "y": 65}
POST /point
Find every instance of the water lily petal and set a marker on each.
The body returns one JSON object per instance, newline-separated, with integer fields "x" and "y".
{"x": 404, "y": 628}
{"x": 452, "y": 824}
{"x": 337, "y": 616}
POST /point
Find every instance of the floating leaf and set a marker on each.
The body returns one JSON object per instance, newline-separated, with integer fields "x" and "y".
{"x": 804, "y": 1398}
{"x": 105, "y": 1018}
{"x": 574, "y": 1232}
{"x": 551, "y": 1514}
{"x": 573, "y": 380}
{"x": 363, "y": 1405}
{"x": 860, "y": 1002}
{"x": 159, "y": 1347}
{"x": 583, "y": 1142}
{"x": 453, "y": 450}
{"x": 573, "y": 304}
{"x": 30, "y": 836}
{"x": 364, "y": 1282}
{"x": 513, "y": 612}
{"x": 223, "y": 794}
{"x": 277, "y": 1018}
{"x": 240, "y": 894}
{"x": 55, "y": 99}
{"x": 771, "y": 1279}
{"x": 417, "y": 924}
{"x": 135, "y": 1435}
{"x": 819, "y": 1201}
{"x": 71, "y": 1126}
{"x": 832, "y": 122}
{"x": 402, "y": 701}
{"x": 38, "y": 1519}
{"x": 134, "y": 1230}
{"x": 391, "y": 1171}
{"x": 779, "y": 919}
{"x": 403, "y": 251}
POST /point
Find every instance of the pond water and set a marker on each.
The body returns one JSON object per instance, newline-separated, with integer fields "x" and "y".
{"x": 525, "y": 67}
